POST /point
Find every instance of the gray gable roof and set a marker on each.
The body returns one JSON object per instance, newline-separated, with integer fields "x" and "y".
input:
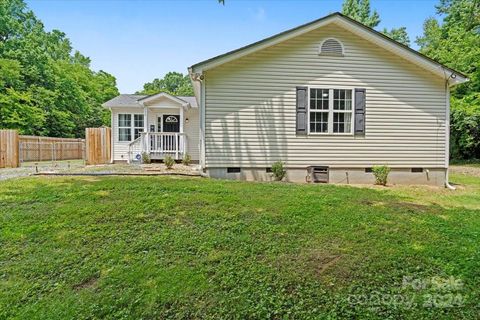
{"x": 191, "y": 100}
{"x": 124, "y": 100}
{"x": 131, "y": 100}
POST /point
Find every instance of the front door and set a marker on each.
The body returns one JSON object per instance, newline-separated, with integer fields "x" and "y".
{"x": 171, "y": 123}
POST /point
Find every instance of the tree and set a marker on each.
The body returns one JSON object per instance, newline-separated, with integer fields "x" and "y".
{"x": 45, "y": 87}
{"x": 360, "y": 10}
{"x": 455, "y": 42}
{"x": 174, "y": 83}
{"x": 398, "y": 34}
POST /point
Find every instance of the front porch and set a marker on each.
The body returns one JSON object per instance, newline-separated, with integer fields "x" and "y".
{"x": 158, "y": 145}
{"x": 163, "y": 132}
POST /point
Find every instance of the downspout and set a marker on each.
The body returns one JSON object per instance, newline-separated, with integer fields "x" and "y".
{"x": 447, "y": 130}
{"x": 199, "y": 78}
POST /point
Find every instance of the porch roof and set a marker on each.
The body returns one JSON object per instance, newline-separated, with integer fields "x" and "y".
{"x": 134, "y": 100}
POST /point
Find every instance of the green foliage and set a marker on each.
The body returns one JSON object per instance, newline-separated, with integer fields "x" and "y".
{"x": 278, "y": 171}
{"x": 174, "y": 83}
{"x": 45, "y": 87}
{"x": 455, "y": 42}
{"x": 360, "y": 11}
{"x": 169, "y": 161}
{"x": 192, "y": 248}
{"x": 398, "y": 34}
{"x": 465, "y": 127}
{"x": 146, "y": 158}
{"x": 381, "y": 174}
{"x": 187, "y": 159}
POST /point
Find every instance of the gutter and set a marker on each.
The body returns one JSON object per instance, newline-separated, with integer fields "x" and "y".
{"x": 199, "y": 78}
{"x": 447, "y": 123}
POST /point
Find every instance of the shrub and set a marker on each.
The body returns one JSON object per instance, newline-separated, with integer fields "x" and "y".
{"x": 146, "y": 158}
{"x": 187, "y": 159}
{"x": 278, "y": 171}
{"x": 465, "y": 128}
{"x": 381, "y": 174}
{"x": 169, "y": 162}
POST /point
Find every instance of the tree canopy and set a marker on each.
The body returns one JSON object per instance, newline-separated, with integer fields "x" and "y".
{"x": 360, "y": 10}
{"x": 455, "y": 42}
{"x": 174, "y": 83}
{"x": 46, "y": 88}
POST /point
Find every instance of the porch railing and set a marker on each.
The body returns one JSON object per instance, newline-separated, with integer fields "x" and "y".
{"x": 158, "y": 145}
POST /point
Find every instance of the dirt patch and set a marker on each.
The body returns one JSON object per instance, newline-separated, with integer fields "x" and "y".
{"x": 410, "y": 207}
{"x": 86, "y": 284}
{"x": 467, "y": 170}
{"x": 323, "y": 263}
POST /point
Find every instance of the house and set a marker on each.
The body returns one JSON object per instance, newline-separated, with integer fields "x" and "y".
{"x": 332, "y": 95}
{"x": 159, "y": 125}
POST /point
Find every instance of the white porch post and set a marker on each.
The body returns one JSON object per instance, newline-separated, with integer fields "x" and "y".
{"x": 145, "y": 119}
{"x": 180, "y": 137}
{"x": 145, "y": 129}
{"x": 181, "y": 119}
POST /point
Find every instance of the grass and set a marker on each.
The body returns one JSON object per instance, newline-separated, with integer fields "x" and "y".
{"x": 164, "y": 247}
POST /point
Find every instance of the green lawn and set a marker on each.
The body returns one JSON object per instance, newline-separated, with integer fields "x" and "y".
{"x": 165, "y": 247}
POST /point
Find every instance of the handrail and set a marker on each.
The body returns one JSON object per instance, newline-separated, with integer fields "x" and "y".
{"x": 134, "y": 141}
{"x": 160, "y": 144}
{"x": 137, "y": 141}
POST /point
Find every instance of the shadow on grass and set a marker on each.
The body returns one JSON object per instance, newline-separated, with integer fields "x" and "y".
{"x": 171, "y": 247}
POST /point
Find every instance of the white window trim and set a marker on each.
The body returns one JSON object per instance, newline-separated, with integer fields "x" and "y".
{"x": 132, "y": 126}
{"x": 331, "y": 111}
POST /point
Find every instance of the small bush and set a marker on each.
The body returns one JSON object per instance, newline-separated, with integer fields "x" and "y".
{"x": 187, "y": 159}
{"x": 169, "y": 162}
{"x": 381, "y": 174}
{"x": 146, "y": 158}
{"x": 278, "y": 171}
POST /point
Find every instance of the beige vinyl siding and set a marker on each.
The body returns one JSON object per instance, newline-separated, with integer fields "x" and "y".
{"x": 250, "y": 107}
{"x": 192, "y": 130}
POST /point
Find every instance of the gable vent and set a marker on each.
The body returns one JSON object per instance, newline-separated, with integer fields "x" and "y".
{"x": 331, "y": 47}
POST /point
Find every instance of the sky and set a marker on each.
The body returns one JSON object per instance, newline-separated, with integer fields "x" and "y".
{"x": 138, "y": 41}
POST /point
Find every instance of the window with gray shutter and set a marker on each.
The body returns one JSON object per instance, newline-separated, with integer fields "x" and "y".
{"x": 302, "y": 110}
{"x": 360, "y": 102}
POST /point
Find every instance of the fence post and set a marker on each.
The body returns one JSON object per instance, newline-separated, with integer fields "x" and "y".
{"x": 9, "y": 149}
{"x": 98, "y": 145}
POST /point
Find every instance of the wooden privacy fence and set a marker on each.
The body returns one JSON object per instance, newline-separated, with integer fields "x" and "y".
{"x": 33, "y": 148}
{"x": 98, "y": 145}
{"x": 9, "y": 149}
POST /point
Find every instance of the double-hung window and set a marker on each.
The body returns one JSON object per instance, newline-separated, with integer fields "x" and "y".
{"x": 138, "y": 125}
{"x": 124, "y": 127}
{"x": 330, "y": 110}
{"x": 129, "y": 125}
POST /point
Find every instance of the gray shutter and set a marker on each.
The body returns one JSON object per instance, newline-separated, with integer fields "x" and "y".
{"x": 302, "y": 110}
{"x": 360, "y": 111}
